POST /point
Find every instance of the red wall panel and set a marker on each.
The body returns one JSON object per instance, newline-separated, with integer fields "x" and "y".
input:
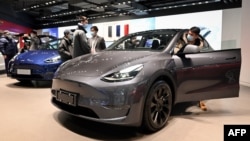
{"x": 12, "y": 27}
{"x": 5, "y": 25}
{"x": 126, "y": 29}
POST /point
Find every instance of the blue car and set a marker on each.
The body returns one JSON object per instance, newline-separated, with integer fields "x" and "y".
{"x": 37, "y": 64}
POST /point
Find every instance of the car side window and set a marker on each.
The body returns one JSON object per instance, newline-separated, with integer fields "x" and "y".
{"x": 157, "y": 41}
{"x": 130, "y": 43}
{"x": 151, "y": 42}
{"x": 181, "y": 44}
{"x": 206, "y": 47}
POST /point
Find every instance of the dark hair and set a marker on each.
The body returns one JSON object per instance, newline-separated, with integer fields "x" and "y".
{"x": 83, "y": 18}
{"x": 195, "y": 30}
{"x": 95, "y": 28}
{"x": 33, "y": 31}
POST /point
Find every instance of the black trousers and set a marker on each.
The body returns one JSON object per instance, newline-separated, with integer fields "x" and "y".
{"x": 7, "y": 60}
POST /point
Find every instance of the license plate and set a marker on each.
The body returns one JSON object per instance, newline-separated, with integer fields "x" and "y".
{"x": 66, "y": 97}
{"x": 24, "y": 71}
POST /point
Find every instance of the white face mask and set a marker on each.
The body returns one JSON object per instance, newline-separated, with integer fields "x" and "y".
{"x": 9, "y": 36}
{"x": 190, "y": 37}
{"x": 70, "y": 37}
{"x": 85, "y": 25}
{"x": 93, "y": 33}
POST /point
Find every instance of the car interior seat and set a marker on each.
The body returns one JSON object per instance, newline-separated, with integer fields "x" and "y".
{"x": 128, "y": 44}
{"x": 155, "y": 44}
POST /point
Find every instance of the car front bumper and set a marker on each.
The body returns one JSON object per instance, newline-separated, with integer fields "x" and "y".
{"x": 32, "y": 71}
{"x": 120, "y": 104}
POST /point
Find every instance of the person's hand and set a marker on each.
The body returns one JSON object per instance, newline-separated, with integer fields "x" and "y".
{"x": 26, "y": 35}
{"x": 4, "y": 56}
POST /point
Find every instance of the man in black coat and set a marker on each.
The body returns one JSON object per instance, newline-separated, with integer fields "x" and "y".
{"x": 80, "y": 45}
{"x": 8, "y": 47}
{"x": 65, "y": 47}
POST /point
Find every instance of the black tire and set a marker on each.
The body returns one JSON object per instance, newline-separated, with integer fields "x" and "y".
{"x": 158, "y": 106}
{"x": 24, "y": 81}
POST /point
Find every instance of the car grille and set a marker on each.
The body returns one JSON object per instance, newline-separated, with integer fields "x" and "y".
{"x": 75, "y": 110}
{"x": 33, "y": 77}
{"x": 27, "y": 67}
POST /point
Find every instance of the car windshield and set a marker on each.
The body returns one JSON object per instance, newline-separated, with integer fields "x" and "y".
{"x": 46, "y": 42}
{"x": 150, "y": 40}
{"x": 49, "y": 43}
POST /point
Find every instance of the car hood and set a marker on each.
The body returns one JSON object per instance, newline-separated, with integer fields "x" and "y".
{"x": 98, "y": 64}
{"x": 36, "y": 56}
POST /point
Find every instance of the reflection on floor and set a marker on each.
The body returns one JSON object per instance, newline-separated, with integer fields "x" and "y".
{"x": 28, "y": 115}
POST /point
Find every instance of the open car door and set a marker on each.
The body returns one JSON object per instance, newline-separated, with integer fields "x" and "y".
{"x": 207, "y": 75}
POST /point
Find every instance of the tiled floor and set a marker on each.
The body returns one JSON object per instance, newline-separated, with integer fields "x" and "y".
{"x": 28, "y": 115}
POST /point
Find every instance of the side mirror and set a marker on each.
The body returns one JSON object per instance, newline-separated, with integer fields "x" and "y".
{"x": 189, "y": 49}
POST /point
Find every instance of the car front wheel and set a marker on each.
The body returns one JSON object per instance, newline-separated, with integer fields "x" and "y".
{"x": 157, "y": 107}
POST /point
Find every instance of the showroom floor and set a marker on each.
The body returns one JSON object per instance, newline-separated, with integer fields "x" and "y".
{"x": 28, "y": 115}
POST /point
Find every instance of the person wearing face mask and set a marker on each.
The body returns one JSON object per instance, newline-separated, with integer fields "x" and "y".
{"x": 96, "y": 42}
{"x": 8, "y": 48}
{"x": 80, "y": 45}
{"x": 190, "y": 37}
{"x": 65, "y": 47}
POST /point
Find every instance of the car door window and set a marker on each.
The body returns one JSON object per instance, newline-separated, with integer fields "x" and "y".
{"x": 146, "y": 41}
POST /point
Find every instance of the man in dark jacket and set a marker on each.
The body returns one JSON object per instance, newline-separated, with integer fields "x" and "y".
{"x": 65, "y": 47}
{"x": 96, "y": 42}
{"x": 8, "y": 47}
{"x": 35, "y": 42}
{"x": 80, "y": 45}
{"x": 191, "y": 37}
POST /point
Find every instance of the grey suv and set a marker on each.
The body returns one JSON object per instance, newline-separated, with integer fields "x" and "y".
{"x": 136, "y": 83}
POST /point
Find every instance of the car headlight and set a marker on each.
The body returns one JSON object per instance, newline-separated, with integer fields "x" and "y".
{"x": 124, "y": 74}
{"x": 13, "y": 58}
{"x": 53, "y": 59}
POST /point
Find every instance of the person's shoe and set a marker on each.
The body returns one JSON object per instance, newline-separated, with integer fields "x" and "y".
{"x": 202, "y": 106}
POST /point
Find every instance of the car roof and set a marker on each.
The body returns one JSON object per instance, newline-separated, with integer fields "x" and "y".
{"x": 157, "y": 31}
{"x": 50, "y": 36}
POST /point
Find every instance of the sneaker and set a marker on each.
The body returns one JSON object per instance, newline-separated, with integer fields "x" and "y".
{"x": 202, "y": 106}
